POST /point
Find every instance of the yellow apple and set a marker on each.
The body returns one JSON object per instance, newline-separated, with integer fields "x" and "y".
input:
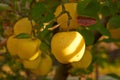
{"x": 24, "y": 25}
{"x": 63, "y": 19}
{"x": 68, "y": 47}
{"x": 38, "y": 53}
{"x": 32, "y": 64}
{"x": 12, "y": 45}
{"x": 28, "y": 47}
{"x": 84, "y": 62}
{"x": 44, "y": 67}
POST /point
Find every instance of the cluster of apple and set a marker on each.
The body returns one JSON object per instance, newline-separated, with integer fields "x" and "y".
{"x": 28, "y": 49}
{"x": 69, "y": 46}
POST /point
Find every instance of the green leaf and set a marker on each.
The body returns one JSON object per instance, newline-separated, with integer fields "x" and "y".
{"x": 105, "y": 11}
{"x": 114, "y": 22}
{"x": 48, "y": 17}
{"x": 45, "y": 34}
{"x": 110, "y": 6}
{"x": 88, "y": 8}
{"x": 45, "y": 47}
{"x": 102, "y": 29}
{"x": 88, "y": 36}
{"x": 4, "y": 7}
{"x": 82, "y": 5}
{"x": 113, "y": 7}
{"x": 22, "y": 36}
{"x": 38, "y": 10}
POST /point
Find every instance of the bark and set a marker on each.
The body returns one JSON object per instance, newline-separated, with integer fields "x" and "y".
{"x": 62, "y": 72}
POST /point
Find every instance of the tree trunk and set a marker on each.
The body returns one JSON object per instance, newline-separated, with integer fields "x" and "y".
{"x": 62, "y": 72}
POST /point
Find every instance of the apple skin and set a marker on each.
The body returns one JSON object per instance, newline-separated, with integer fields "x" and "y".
{"x": 28, "y": 47}
{"x": 23, "y": 25}
{"x": 44, "y": 67}
{"x": 12, "y": 45}
{"x": 63, "y": 19}
{"x": 68, "y": 47}
{"x": 84, "y": 62}
{"x": 34, "y": 64}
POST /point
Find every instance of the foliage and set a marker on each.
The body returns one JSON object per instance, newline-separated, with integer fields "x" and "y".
{"x": 106, "y": 14}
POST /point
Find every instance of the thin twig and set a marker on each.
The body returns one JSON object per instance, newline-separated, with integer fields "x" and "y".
{"x": 63, "y": 11}
{"x": 68, "y": 14}
{"x": 32, "y": 32}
